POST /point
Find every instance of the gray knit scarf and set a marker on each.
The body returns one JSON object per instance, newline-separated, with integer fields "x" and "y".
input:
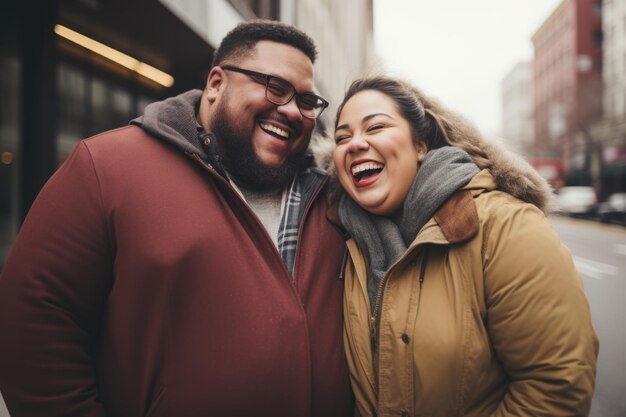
{"x": 442, "y": 172}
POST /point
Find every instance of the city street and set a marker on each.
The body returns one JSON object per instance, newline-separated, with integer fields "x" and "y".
{"x": 599, "y": 253}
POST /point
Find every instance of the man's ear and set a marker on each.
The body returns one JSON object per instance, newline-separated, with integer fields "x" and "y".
{"x": 214, "y": 83}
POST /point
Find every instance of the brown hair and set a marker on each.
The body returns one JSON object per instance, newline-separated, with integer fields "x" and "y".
{"x": 430, "y": 122}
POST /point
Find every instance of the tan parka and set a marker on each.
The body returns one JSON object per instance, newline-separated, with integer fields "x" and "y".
{"x": 484, "y": 315}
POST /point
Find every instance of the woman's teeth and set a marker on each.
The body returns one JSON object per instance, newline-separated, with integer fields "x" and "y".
{"x": 366, "y": 167}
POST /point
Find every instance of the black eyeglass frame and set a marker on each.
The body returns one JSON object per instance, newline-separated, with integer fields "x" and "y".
{"x": 267, "y": 78}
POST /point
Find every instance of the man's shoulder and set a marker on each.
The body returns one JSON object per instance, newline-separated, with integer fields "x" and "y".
{"x": 114, "y": 136}
{"x": 131, "y": 140}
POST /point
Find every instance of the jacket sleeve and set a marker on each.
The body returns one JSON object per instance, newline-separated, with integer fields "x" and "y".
{"x": 52, "y": 291}
{"x": 537, "y": 316}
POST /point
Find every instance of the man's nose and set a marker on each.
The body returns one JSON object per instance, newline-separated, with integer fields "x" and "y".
{"x": 291, "y": 110}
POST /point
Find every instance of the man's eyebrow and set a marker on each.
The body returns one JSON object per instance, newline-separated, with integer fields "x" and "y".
{"x": 365, "y": 119}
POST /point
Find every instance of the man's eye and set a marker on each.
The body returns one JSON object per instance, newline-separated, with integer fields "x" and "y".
{"x": 277, "y": 88}
{"x": 308, "y": 102}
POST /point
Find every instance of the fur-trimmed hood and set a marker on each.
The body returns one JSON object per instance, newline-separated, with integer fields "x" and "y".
{"x": 512, "y": 173}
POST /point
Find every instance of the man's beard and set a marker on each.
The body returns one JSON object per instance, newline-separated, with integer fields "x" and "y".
{"x": 240, "y": 160}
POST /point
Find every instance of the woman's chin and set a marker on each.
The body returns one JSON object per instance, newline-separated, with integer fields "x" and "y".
{"x": 374, "y": 206}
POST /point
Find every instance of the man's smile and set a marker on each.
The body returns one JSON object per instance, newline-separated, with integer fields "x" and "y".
{"x": 275, "y": 130}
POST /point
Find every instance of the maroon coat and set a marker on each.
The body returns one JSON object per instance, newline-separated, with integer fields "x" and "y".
{"x": 142, "y": 285}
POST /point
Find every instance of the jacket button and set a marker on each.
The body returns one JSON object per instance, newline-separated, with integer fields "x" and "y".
{"x": 406, "y": 339}
{"x": 207, "y": 141}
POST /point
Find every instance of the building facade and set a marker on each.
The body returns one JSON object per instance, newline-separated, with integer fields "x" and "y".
{"x": 567, "y": 86}
{"x": 517, "y": 108}
{"x": 609, "y": 134}
{"x": 518, "y": 123}
{"x": 614, "y": 57}
{"x": 344, "y": 31}
{"x": 78, "y": 67}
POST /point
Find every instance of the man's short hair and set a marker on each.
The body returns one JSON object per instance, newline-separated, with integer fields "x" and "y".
{"x": 241, "y": 40}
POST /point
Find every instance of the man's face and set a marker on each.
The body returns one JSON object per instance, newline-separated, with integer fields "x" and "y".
{"x": 262, "y": 144}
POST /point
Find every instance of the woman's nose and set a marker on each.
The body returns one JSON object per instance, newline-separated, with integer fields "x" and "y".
{"x": 358, "y": 143}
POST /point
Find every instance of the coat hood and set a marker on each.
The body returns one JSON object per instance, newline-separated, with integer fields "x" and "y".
{"x": 512, "y": 173}
{"x": 173, "y": 120}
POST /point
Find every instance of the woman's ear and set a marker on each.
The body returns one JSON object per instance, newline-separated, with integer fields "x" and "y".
{"x": 422, "y": 149}
{"x": 214, "y": 83}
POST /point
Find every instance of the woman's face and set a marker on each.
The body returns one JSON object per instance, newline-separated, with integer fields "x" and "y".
{"x": 375, "y": 156}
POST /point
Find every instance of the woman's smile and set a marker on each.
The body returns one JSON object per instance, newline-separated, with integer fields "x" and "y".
{"x": 366, "y": 172}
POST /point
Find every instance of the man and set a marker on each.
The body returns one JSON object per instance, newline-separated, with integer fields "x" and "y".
{"x": 183, "y": 265}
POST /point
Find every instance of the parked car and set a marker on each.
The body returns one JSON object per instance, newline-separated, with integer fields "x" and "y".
{"x": 576, "y": 200}
{"x": 613, "y": 210}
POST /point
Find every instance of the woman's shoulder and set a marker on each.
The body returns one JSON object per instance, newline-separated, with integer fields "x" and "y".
{"x": 497, "y": 206}
{"x": 512, "y": 174}
{"x": 497, "y": 195}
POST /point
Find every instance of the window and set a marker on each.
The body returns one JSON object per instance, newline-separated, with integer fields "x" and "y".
{"x": 73, "y": 117}
{"x": 597, "y": 7}
{"x": 597, "y": 37}
{"x": 10, "y": 132}
{"x": 9, "y": 150}
{"x": 264, "y": 9}
{"x": 93, "y": 100}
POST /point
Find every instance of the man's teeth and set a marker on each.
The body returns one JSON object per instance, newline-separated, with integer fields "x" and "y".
{"x": 276, "y": 130}
{"x": 366, "y": 166}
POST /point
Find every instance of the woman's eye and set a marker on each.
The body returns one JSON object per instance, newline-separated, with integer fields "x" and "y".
{"x": 375, "y": 127}
{"x": 340, "y": 138}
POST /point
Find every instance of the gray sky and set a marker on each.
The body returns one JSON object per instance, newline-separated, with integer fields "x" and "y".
{"x": 459, "y": 50}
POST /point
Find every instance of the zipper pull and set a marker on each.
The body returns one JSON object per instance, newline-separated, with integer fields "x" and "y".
{"x": 344, "y": 261}
{"x": 373, "y": 333}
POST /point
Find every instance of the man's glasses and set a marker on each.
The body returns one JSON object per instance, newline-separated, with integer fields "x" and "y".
{"x": 280, "y": 91}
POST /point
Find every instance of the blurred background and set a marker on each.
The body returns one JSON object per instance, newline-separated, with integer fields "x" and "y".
{"x": 546, "y": 77}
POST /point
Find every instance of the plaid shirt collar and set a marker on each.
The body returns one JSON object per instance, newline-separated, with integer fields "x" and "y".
{"x": 303, "y": 189}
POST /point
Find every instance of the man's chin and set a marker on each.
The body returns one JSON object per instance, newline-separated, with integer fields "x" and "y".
{"x": 252, "y": 168}
{"x": 271, "y": 164}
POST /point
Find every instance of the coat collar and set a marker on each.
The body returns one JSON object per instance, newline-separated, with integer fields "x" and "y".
{"x": 456, "y": 221}
{"x": 458, "y": 218}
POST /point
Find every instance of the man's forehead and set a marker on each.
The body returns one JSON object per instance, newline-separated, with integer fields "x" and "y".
{"x": 280, "y": 55}
{"x": 283, "y": 61}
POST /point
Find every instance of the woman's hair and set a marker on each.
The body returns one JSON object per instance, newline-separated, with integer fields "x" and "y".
{"x": 430, "y": 122}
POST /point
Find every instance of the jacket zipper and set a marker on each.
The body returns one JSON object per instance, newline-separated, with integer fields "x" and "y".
{"x": 377, "y": 303}
{"x": 374, "y": 328}
{"x": 291, "y": 278}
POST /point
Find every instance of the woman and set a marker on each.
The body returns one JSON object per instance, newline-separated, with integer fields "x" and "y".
{"x": 460, "y": 300}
